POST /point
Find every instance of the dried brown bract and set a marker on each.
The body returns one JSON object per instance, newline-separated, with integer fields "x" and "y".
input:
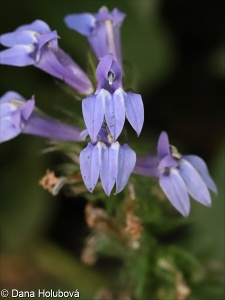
{"x": 94, "y": 215}
{"x": 52, "y": 183}
{"x": 182, "y": 290}
{"x": 88, "y": 256}
{"x": 133, "y": 227}
{"x": 104, "y": 294}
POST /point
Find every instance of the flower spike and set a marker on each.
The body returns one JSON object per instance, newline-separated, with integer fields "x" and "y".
{"x": 179, "y": 175}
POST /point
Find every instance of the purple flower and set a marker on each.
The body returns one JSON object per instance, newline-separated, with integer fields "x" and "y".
{"x": 20, "y": 116}
{"x": 179, "y": 175}
{"x": 111, "y": 102}
{"x": 105, "y": 157}
{"x": 35, "y": 44}
{"x": 102, "y": 30}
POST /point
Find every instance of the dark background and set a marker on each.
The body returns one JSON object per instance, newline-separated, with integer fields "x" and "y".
{"x": 173, "y": 55}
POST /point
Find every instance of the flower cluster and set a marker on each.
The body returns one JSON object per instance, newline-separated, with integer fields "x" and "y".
{"x": 105, "y": 157}
{"x": 179, "y": 175}
{"x": 105, "y": 108}
{"x": 35, "y": 44}
{"x": 20, "y": 116}
{"x": 111, "y": 102}
{"x": 101, "y": 29}
{"x": 104, "y": 111}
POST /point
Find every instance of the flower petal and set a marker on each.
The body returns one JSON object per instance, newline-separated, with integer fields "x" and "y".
{"x": 199, "y": 164}
{"x": 6, "y": 109}
{"x": 93, "y": 108}
{"x": 109, "y": 166}
{"x": 118, "y": 16}
{"x": 98, "y": 41}
{"x": 103, "y": 67}
{"x": 25, "y": 34}
{"x": 134, "y": 110}
{"x": 60, "y": 65}
{"x": 109, "y": 74}
{"x": 17, "y": 120}
{"x": 103, "y": 15}
{"x": 7, "y": 129}
{"x": 102, "y": 30}
{"x": 126, "y": 163}
{"x": 14, "y": 111}
{"x": 27, "y": 109}
{"x": 78, "y": 79}
{"x": 17, "y": 111}
{"x": 14, "y": 38}
{"x": 49, "y": 63}
{"x": 83, "y": 23}
{"x": 84, "y": 134}
{"x": 194, "y": 183}
{"x": 117, "y": 72}
{"x": 37, "y": 26}
{"x": 147, "y": 166}
{"x": 9, "y": 96}
{"x": 47, "y": 37}
{"x": 168, "y": 162}
{"x": 90, "y": 165}
{"x": 103, "y": 135}
{"x": 17, "y": 56}
{"x": 174, "y": 188}
{"x": 51, "y": 129}
{"x": 163, "y": 147}
{"x": 147, "y": 161}
{"x": 115, "y": 113}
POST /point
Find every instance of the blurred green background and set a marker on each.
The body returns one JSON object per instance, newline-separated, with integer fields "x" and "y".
{"x": 173, "y": 55}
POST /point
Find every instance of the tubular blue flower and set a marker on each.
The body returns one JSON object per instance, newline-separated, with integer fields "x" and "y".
{"x": 102, "y": 30}
{"x": 105, "y": 157}
{"x": 179, "y": 175}
{"x": 111, "y": 102}
{"x": 20, "y": 116}
{"x": 35, "y": 44}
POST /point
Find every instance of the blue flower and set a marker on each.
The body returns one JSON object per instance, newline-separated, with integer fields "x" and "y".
{"x": 102, "y": 30}
{"x": 179, "y": 175}
{"x": 35, "y": 44}
{"x": 105, "y": 157}
{"x": 20, "y": 116}
{"x": 111, "y": 102}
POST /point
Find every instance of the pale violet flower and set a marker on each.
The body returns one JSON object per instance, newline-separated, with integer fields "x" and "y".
{"x": 20, "y": 116}
{"x": 35, "y": 44}
{"x": 102, "y": 30}
{"x": 179, "y": 175}
{"x": 111, "y": 102}
{"x": 106, "y": 158}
